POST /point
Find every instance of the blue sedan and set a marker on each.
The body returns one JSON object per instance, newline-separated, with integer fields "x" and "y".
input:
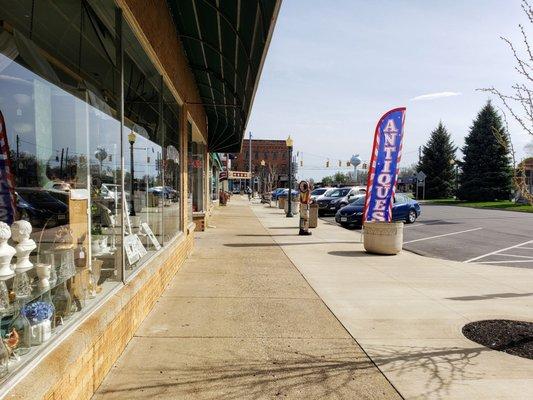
{"x": 404, "y": 209}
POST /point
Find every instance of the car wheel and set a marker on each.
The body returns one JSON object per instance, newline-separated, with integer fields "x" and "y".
{"x": 320, "y": 213}
{"x": 411, "y": 218}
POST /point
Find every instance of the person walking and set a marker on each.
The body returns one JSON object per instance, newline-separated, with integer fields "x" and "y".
{"x": 249, "y": 193}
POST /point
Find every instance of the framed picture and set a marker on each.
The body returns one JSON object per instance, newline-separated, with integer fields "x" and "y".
{"x": 150, "y": 235}
{"x": 130, "y": 247}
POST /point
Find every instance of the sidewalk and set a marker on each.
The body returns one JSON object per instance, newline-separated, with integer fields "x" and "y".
{"x": 407, "y": 311}
{"x": 240, "y": 322}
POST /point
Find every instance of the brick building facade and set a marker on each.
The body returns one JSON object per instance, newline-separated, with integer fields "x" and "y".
{"x": 276, "y": 156}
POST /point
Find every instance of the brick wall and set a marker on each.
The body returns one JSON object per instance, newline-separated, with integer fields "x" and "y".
{"x": 75, "y": 369}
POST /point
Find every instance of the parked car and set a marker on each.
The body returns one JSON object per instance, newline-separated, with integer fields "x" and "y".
{"x": 40, "y": 208}
{"x": 285, "y": 193}
{"x": 276, "y": 193}
{"x": 403, "y": 209}
{"x": 164, "y": 191}
{"x": 315, "y": 193}
{"x": 335, "y": 198}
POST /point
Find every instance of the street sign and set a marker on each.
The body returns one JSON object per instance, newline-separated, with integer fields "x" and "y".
{"x": 223, "y": 175}
{"x": 421, "y": 176}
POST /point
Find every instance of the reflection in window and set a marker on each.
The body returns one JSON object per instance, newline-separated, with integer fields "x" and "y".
{"x": 61, "y": 152}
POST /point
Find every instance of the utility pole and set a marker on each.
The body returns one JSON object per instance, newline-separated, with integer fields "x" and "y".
{"x": 250, "y": 162}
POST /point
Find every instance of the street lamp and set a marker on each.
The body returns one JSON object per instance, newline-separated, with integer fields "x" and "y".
{"x": 263, "y": 175}
{"x": 289, "y": 143}
{"x": 131, "y": 140}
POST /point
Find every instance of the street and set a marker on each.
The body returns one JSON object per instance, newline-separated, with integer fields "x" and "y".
{"x": 471, "y": 235}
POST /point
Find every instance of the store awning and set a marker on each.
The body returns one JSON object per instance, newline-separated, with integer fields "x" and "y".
{"x": 226, "y": 43}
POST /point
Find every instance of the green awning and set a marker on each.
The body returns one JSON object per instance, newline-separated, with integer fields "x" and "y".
{"x": 226, "y": 42}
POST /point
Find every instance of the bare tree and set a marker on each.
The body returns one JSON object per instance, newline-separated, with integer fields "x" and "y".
{"x": 519, "y": 103}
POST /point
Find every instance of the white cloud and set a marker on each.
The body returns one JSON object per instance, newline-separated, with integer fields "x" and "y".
{"x": 433, "y": 96}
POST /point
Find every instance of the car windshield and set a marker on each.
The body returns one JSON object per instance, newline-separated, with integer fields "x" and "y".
{"x": 359, "y": 201}
{"x": 339, "y": 192}
{"x": 319, "y": 191}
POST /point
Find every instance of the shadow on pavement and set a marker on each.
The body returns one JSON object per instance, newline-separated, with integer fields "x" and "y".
{"x": 440, "y": 366}
{"x": 490, "y": 296}
{"x": 278, "y": 244}
{"x": 352, "y": 253}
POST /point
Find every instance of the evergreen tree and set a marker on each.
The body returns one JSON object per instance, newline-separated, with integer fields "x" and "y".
{"x": 437, "y": 162}
{"x": 486, "y": 169}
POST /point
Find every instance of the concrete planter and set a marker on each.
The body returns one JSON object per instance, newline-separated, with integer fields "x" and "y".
{"x": 281, "y": 202}
{"x": 313, "y": 215}
{"x": 295, "y": 207}
{"x": 383, "y": 237}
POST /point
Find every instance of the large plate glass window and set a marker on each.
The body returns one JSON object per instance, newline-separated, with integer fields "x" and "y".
{"x": 60, "y": 171}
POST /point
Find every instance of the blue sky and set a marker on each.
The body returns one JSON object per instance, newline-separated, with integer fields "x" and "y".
{"x": 334, "y": 67}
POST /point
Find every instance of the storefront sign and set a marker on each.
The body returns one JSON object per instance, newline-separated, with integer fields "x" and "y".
{"x": 383, "y": 173}
{"x": 223, "y": 176}
{"x": 7, "y": 187}
{"x": 239, "y": 175}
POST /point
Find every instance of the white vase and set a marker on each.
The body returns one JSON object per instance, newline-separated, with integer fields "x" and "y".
{"x": 43, "y": 272}
{"x": 40, "y": 332}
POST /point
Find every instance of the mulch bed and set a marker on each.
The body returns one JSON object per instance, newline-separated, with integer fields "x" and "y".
{"x": 512, "y": 337}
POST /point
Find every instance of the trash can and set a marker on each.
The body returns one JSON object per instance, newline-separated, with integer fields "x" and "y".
{"x": 281, "y": 202}
{"x": 313, "y": 215}
{"x": 295, "y": 207}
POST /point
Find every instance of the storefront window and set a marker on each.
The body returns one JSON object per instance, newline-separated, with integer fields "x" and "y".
{"x": 60, "y": 193}
{"x": 190, "y": 172}
{"x": 171, "y": 166}
{"x": 146, "y": 194}
{"x": 65, "y": 215}
{"x": 198, "y": 160}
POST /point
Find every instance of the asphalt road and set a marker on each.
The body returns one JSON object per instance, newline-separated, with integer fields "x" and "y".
{"x": 471, "y": 235}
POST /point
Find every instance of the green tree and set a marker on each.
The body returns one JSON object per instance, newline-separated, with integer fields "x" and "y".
{"x": 340, "y": 177}
{"x": 327, "y": 181}
{"x": 437, "y": 162}
{"x": 486, "y": 168}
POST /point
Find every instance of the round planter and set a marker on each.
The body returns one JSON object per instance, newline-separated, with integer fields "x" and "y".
{"x": 383, "y": 237}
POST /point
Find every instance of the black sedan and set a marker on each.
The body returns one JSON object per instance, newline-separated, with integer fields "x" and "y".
{"x": 404, "y": 209}
{"x": 330, "y": 202}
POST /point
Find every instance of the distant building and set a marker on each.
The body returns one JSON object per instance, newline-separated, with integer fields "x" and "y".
{"x": 275, "y": 172}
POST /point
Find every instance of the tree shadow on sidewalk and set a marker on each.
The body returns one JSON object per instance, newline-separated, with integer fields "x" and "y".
{"x": 436, "y": 367}
{"x": 342, "y": 373}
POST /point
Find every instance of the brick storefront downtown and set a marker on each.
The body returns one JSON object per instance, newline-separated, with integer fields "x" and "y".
{"x": 275, "y": 172}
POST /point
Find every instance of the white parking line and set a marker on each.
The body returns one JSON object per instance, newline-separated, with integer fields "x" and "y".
{"x": 438, "y": 236}
{"x": 504, "y": 261}
{"x": 498, "y": 251}
{"x": 511, "y": 255}
{"x": 527, "y": 248}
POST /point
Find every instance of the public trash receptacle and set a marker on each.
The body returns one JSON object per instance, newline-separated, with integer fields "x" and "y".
{"x": 295, "y": 206}
{"x": 281, "y": 202}
{"x": 313, "y": 215}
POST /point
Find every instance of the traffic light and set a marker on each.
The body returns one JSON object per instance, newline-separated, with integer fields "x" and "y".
{"x": 348, "y": 163}
{"x": 340, "y": 163}
{"x": 301, "y": 163}
{"x": 327, "y": 164}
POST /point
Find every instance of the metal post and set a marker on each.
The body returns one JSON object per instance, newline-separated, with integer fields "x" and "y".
{"x": 289, "y": 195}
{"x": 250, "y": 161}
{"x": 132, "y": 192}
{"x": 119, "y": 53}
